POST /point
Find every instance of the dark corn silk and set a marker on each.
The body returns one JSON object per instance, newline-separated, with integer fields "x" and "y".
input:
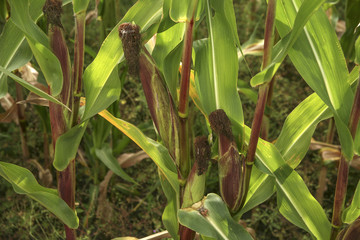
{"x": 231, "y": 165}
{"x": 131, "y": 39}
{"x": 52, "y": 11}
{"x": 202, "y": 154}
{"x": 195, "y": 184}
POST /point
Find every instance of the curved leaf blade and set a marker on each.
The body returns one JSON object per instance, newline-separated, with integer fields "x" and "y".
{"x": 216, "y": 72}
{"x": 211, "y": 218}
{"x": 352, "y": 212}
{"x": 31, "y": 87}
{"x": 39, "y": 44}
{"x": 305, "y": 211}
{"x": 318, "y": 57}
{"x": 105, "y": 155}
{"x": 24, "y": 182}
{"x": 307, "y": 9}
{"x": 157, "y": 152}
{"x": 67, "y": 146}
{"x": 143, "y": 13}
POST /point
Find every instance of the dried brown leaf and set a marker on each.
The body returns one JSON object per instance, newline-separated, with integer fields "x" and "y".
{"x": 28, "y": 73}
{"x": 10, "y": 115}
{"x": 127, "y": 160}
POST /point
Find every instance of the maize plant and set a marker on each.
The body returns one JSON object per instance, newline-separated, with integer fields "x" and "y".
{"x": 181, "y": 75}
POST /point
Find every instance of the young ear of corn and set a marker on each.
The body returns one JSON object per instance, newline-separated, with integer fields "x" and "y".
{"x": 195, "y": 184}
{"x": 58, "y": 115}
{"x": 161, "y": 106}
{"x": 231, "y": 164}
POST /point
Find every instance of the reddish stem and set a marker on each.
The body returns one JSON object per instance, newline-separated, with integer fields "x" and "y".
{"x": 185, "y": 70}
{"x": 343, "y": 171}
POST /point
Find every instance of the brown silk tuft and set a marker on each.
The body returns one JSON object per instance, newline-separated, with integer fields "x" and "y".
{"x": 131, "y": 40}
{"x": 220, "y": 123}
{"x": 52, "y": 11}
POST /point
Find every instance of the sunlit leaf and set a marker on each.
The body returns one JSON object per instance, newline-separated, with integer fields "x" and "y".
{"x": 210, "y": 217}
{"x": 157, "y": 152}
{"x": 318, "y": 57}
{"x": 216, "y": 72}
{"x": 352, "y": 212}
{"x": 143, "y": 13}
{"x": 39, "y": 45}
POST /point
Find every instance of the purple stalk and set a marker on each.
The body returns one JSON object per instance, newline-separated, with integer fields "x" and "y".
{"x": 343, "y": 170}
{"x": 58, "y": 116}
{"x": 263, "y": 94}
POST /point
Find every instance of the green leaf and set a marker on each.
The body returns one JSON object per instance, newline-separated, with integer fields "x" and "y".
{"x": 318, "y": 57}
{"x": 80, "y": 6}
{"x": 261, "y": 188}
{"x": 292, "y": 143}
{"x": 39, "y": 45}
{"x": 307, "y": 9}
{"x": 216, "y": 72}
{"x": 169, "y": 216}
{"x": 22, "y": 56}
{"x": 109, "y": 93}
{"x": 294, "y": 139}
{"x": 24, "y": 182}
{"x": 167, "y": 54}
{"x": 105, "y": 155}
{"x": 157, "y": 152}
{"x": 144, "y": 13}
{"x": 211, "y": 218}
{"x": 12, "y": 38}
{"x": 182, "y": 10}
{"x": 67, "y": 146}
{"x": 295, "y": 203}
{"x": 31, "y": 87}
{"x": 352, "y": 212}
{"x": 357, "y": 51}
{"x": 352, "y": 19}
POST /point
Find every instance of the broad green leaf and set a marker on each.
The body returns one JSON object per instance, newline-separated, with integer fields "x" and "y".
{"x": 80, "y": 6}
{"x": 157, "y": 152}
{"x": 39, "y": 45}
{"x": 108, "y": 94}
{"x": 352, "y": 19}
{"x": 306, "y": 10}
{"x": 292, "y": 143}
{"x": 24, "y": 182}
{"x": 167, "y": 55}
{"x": 352, "y": 212}
{"x": 105, "y": 155}
{"x": 294, "y": 139}
{"x": 211, "y": 218}
{"x": 22, "y": 56}
{"x": 31, "y": 87}
{"x": 67, "y": 146}
{"x": 357, "y": 51}
{"x": 318, "y": 57}
{"x": 182, "y": 10}
{"x": 12, "y": 38}
{"x": 295, "y": 203}
{"x": 261, "y": 188}
{"x": 144, "y": 13}
{"x": 216, "y": 62}
{"x": 169, "y": 216}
